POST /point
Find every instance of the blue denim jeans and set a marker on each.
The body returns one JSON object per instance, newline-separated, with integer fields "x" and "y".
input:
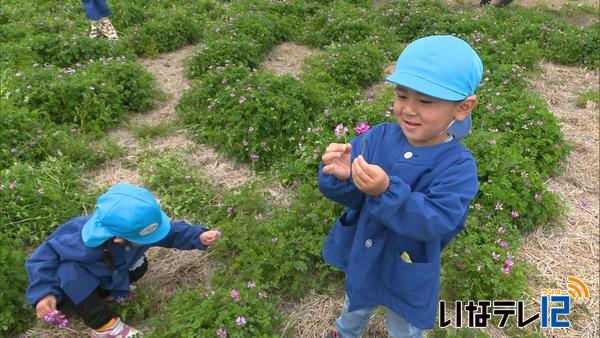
{"x": 353, "y": 324}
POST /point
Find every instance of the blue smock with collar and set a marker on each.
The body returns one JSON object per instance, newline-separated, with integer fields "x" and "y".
{"x": 424, "y": 207}
{"x": 63, "y": 264}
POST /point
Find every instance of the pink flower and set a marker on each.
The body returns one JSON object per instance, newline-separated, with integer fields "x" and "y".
{"x": 492, "y": 142}
{"x": 242, "y": 99}
{"x": 211, "y": 106}
{"x": 235, "y": 294}
{"x": 13, "y": 150}
{"x": 240, "y": 321}
{"x": 361, "y": 128}
{"x": 538, "y": 198}
{"x": 498, "y": 206}
{"x": 56, "y": 318}
{"x": 251, "y": 285}
{"x": 515, "y": 214}
{"x": 509, "y": 262}
{"x": 583, "y": 204}
{"x": 254, "y": 157}
{"x": 250, "y": 129}
{"x": 222, "y": 333}
{"x": 506, "y": 270}
{"x": 503, "y": 244}
{"x": 73, "y": 130}
{"x": 340, "y": 130}
{"x": 501, "y": 230}
{"x": 12, "y": 185}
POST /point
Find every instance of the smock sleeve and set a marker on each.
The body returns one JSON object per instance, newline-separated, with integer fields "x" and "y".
{"x": 183, "y": 236}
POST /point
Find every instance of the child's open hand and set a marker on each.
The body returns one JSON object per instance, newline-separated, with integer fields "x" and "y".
{"x": 45, "y": 306}
{"x": 337, "y": 160}
{"x": 369, "y": 178}
{"x": 210, "y": 237}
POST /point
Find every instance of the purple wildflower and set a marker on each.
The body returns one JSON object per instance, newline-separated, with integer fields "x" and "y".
{"x": 501, "y": 230}
{"x": 13, "y": 150}
{"x": 251, "y": 285}
{"x": 56, "y": 318}
{"x": 12, "y": 185}
{"x": 250, "y": 129}
{"x": 538, "y": 198}
{"x": 124, "y": 299}
{"x": 583, "y": 204}
{"x": 235, "y": 294}
{"x": 240, "y": 321}
{"x": 340, "y": 130}
{"x": 514, "y": 214}
{"x": 493, "y": 142}
{"x": 73, "y": 130}
{"x": 254, "y": 157}
{"x": 498, "y": 206}
{"x": 503, "y": 244}
{"x": 506, "y": 270}
{"x": 509, "y": 262}
{"x": 361, "y": 128}
{"x": 222, "y": 333}
{"x": 242, "y": 99}
{"x": 211, "y": 106}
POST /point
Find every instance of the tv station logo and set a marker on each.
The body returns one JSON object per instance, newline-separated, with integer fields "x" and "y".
{"x": 555, "y": 307}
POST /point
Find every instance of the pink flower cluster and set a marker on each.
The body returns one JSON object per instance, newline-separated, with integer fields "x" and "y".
{"x": 56, "y": 318}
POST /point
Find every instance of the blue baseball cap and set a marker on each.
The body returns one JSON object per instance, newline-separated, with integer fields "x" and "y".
{"x": 129, "y": 212}
{"x": 441, "y": 66}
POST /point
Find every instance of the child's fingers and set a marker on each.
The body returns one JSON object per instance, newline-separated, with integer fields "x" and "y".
{"x": 328, "y": 169}
{"x": 331, "y": 156}
{"x": 360, "y": 172}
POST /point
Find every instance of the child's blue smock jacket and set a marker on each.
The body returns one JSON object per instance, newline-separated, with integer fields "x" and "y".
{"x": 424, "y": 207}
{"x": 64, "y": 264}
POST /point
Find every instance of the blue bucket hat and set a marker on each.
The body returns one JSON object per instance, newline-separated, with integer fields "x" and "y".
{"x": 440, "y": 66}
{"x": 129, "y": 212}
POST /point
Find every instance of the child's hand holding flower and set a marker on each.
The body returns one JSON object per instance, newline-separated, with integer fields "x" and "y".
{"x": 210, "y": 237}
{"x": 45, "y": 306}
{"x": 369, "y": 178}
{"x": 336, "y": 160}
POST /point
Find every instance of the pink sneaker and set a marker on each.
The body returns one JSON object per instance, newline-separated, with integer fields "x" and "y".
{"x": 117, "y": 330}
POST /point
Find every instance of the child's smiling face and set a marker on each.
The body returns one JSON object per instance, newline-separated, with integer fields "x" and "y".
{"x": 424, "y": 119}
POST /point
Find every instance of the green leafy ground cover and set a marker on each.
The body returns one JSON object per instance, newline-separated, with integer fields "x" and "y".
{"x": 61, "y": 92}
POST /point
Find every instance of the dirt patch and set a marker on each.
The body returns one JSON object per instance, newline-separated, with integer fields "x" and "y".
{"x": 172, "y": 270}
{"x": 572, "y": 251}
{"x": 168, "y": 70}
{"x": 377, "y": 89}
{"x": 287, "y": 58}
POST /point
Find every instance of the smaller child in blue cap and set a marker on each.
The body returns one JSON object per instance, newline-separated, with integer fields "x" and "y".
{"x": 88, "y": 259}
{"x": 407, "y": 186}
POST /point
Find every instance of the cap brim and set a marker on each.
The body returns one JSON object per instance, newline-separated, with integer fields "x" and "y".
{"x": 424, "y": 87}
{"x": 158, "y": 234}
{"x": 93, "y": 234}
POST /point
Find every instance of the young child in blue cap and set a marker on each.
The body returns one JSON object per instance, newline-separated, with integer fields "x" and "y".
{"x": 89, "y": 258}
{"x": 408, "y": 193}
